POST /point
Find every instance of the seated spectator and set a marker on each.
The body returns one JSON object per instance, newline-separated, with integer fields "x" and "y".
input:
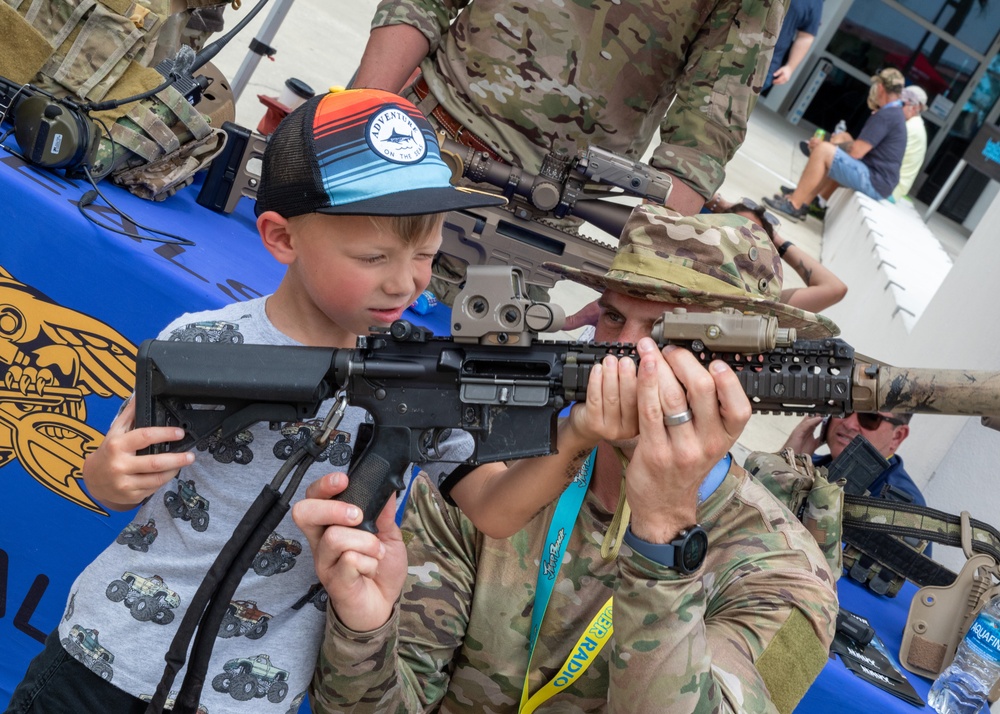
{"x": 914, "y": 103}
{"x": 885, "y": 432}
{"x": 822, "y": 289}
{"x": 869, "y": 164}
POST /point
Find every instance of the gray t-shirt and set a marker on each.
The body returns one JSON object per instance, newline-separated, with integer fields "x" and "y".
{"x": 124, "y": 609}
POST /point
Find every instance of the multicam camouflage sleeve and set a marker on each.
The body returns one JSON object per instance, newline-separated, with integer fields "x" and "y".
{"x": 707, "y": 122}
{"x": 531, "y": 77}
{"x": 748, "y": 633}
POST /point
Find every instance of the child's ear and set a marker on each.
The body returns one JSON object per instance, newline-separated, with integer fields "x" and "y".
{"x": 275, "y": 232}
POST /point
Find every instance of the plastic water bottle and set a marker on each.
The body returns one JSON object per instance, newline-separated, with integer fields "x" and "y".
{"x": 841, "y": 126}
{"x": 962, "y": 688}
{"x": 425, "y": 302}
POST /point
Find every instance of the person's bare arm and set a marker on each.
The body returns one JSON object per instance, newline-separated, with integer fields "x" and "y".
{"x": 822, "y": 289}
{"x": 684, "y": 199}
{"x": 857, "y": 148}
{"x": 391, "y": 56}
{"x": 796, "y": 53}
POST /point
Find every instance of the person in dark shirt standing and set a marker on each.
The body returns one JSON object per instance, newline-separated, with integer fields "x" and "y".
{"x": 869, "y": 164}
{"x": 798, "y": 30}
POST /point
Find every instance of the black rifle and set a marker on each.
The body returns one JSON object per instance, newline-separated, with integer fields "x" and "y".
{"x": 495, "y": 381}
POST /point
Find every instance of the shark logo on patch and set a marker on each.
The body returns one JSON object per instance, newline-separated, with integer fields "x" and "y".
{"x": 394, "y": 135}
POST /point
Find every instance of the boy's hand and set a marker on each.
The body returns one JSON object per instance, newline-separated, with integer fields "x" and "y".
{"x": 363, "y": 573}
{"x": 670, "y": 462}
{"x": 117, "y": 476}
{"x": 609, "y": 411}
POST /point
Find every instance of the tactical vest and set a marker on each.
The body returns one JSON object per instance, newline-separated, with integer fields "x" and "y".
{"x": 100, "y": 50}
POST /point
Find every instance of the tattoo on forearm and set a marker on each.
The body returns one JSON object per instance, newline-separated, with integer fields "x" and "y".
{"x": 807, "y": 275}
{"x": 574, "y": 465}
{"x": 804, "y": 272}
{"x": 571, "y": 471}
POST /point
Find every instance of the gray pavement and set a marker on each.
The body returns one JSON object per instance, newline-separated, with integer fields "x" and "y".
{"x": 321, "y": 43}
{"x": 318, "y": 42}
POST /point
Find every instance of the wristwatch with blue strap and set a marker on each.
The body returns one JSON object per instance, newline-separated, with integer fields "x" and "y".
{"x": 685, "y": 554}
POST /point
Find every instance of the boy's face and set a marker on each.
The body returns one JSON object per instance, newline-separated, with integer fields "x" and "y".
{"x": 356, "y": 274}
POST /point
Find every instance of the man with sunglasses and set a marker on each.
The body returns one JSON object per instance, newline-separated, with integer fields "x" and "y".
{"x": 822, "y": 288}
{"x": 884, "y": 431}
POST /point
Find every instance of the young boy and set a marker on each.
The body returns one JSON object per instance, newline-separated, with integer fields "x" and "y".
{"x": 351, "y": 200}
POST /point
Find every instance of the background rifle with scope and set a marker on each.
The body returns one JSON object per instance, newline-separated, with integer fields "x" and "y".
{"x": 495, "y": 381}
{"x": 520, "y": 235}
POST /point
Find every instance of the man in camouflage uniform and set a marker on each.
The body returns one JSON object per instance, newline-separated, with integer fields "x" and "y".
{"x": 746, "y": 631}
{"x": 527, "y": 78}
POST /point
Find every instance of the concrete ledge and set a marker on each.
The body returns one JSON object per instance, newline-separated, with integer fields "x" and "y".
{"x": 892, "y": 264}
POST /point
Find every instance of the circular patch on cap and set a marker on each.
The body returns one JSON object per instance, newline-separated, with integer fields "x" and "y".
{"x": 392, "y": 134}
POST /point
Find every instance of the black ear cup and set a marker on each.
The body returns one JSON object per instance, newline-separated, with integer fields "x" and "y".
{"x": 55, "y": 135}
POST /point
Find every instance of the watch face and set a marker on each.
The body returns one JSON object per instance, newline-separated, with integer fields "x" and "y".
{"x": 694, "y": 549}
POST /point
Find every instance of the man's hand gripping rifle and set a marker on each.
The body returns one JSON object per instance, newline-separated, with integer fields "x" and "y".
{"x": 493, "y": 379}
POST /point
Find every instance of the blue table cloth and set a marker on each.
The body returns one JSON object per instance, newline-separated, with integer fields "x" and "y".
{"x": 75, "y": 301}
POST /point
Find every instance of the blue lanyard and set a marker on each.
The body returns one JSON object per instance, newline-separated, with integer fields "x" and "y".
{"x": 556, "y": 541}
{"x": 715, "y": 478}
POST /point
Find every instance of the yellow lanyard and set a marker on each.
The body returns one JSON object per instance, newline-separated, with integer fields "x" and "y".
{"x": 583, "y": 654}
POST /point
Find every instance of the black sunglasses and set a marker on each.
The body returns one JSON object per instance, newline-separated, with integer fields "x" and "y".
{"x": 871, "y": 421}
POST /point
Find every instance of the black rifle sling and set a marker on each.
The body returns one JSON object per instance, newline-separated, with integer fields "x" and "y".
{"x": 207, "y": 608}
{"x": 875, "y": 525}
{"x": 203, "y": 597}
{"x": 211, "y": 620}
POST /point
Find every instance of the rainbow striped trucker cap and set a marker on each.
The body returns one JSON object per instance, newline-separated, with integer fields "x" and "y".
{"x": 359, "y": 152}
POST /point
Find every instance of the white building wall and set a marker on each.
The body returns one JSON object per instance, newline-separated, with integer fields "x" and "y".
{"x": 955, "y": 460}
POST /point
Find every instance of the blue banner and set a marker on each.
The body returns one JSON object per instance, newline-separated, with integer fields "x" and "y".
{"x": 75, "y": 301}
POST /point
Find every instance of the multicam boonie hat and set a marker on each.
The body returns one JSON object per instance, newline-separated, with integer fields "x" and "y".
{"x": 712, "y": 259}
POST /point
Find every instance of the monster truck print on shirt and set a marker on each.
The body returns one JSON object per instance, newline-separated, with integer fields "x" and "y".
{"x": 148, "y": 599}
